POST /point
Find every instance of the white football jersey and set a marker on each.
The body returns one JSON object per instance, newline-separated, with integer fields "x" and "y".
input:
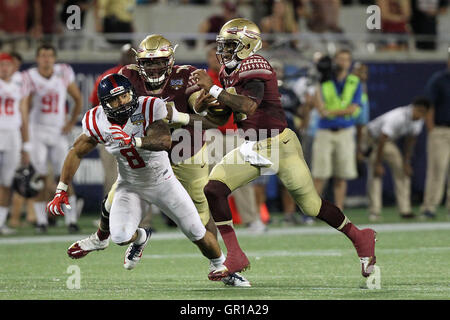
{"x": 48, "y": 104}
{"x": 11, "y": 93}
{"x": 136, "y": 166}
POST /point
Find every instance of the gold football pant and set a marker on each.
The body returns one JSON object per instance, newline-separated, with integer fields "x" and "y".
{"x": 285, "y": 152}
{"x": 193, "y": 175}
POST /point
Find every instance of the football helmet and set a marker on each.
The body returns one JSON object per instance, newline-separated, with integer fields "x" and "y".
{"x": 155, "y": 59}
{"x": 238, "y": 39}
{"x": 112, "y": 86}
{"x": 27, "y": 182}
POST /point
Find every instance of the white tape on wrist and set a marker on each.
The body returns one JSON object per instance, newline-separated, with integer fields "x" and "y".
{"x": 26, "y": 146}
{"x": 138, "y": 142}
{"x": 62, "y": 186}
{"x": 180, "y": 117}
{"x": 215, "y": 91}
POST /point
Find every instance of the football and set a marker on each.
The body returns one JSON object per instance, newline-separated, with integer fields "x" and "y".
{"x": 220, "y": 110}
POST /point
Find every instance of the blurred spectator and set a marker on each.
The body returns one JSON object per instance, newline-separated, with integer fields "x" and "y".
{"x": 382, "y": 134}
{"x": 324, "y": 15}
{"x": 438, "y": 142}
{"x": 115, "y": 16}
{"x": 44, "y": 21}
{"x": 281, "y": 20}
{"x": 424, "y": 21}
{"x": 361, "y": 70}
{"x": 334, "y": 149}
{"x": 214, "y": 23}
{"x": 13, "y": 18}
{"x": 395, "y": 16}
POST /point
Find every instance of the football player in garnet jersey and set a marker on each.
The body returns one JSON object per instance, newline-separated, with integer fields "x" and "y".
{"x": 251, "y": 92}
{"x": 134, "y": 132}
{"x": 155, "y": 74}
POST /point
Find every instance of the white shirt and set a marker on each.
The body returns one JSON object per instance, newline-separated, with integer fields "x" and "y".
{"x": 48, "y": 104}
{"x": 11, "y": 93}
{"x": 396, "y": 123}
{"x": 138, "y": 167}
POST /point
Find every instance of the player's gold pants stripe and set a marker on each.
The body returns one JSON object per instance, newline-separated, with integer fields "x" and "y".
{"x": 224, "y": 223}
{"x": 289, "y": 163}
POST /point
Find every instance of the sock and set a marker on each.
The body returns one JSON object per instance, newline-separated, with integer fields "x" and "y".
{"x": 102, "y": 235}
{"x": 335, "y": 218}
{"x": 217, "y": 262}
{"x": 3, "y": 215}
{"x": 103, "y": 228}
{"x": 229, "y": 238}
{"x": 142, "y": 236}
{"x": 41, "y": 213}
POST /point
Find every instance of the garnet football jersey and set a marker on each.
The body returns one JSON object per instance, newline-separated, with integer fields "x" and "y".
{"x": 269, "y": 114}
{"x": 177, "y": 90}
{"x": 136, "y": 166}
{"x": 48, "y": 104}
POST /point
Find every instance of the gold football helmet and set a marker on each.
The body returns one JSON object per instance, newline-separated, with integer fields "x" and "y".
{"x": 238, "y": 39}
{"x": 155, "y": 58}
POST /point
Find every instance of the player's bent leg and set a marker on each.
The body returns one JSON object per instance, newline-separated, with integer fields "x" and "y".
{"x": 217, "y": 194}
{"x": 295, "y": 175}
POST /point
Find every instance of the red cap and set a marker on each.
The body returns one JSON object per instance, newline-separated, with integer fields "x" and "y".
{"x": 5, "y": 56}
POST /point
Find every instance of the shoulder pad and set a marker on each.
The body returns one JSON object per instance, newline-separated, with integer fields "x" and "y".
{"x": 255, "y": 67}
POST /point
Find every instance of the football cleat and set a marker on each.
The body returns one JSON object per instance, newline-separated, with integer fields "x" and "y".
{"x": 134, "y": 252}
{"x": 234, "y": 263}
{"x": 365, "y": 247}
{"x": 82, "y": 247}
{"x": 236, "y": 280}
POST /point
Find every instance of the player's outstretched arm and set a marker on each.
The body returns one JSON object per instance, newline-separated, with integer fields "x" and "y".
{"x": 157, "y": 138}
{"x": 82, "y": 146}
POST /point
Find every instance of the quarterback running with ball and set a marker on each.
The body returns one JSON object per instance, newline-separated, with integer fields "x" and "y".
{"x": 134, "y": 132}
{"x": 251, "y": 93}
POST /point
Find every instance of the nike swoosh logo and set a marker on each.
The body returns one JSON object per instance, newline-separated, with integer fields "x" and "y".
{"x": 203, "y": 165}
{"x": 286, "y": 141}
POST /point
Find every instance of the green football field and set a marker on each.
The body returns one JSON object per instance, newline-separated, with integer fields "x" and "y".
{"x": 287, "y": 263}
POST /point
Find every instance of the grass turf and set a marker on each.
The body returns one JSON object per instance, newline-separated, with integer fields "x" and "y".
{"x": 298, "y": 263}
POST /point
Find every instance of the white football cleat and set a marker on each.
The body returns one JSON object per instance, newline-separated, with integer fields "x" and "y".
{"x": 82, "y": 247}
{"x": 236, "y": 280}
{"x": 134, "y": 252}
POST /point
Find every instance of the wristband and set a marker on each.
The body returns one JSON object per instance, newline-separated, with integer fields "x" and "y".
{"x": 215, "y": 91}
{"x": 26, "y": 146}
{"x": 137, "y": 142}
{"x": 180, "y": 117}
{"x": 62, "y": 186}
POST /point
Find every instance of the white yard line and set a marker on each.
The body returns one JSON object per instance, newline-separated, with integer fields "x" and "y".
{"x": 380, "y": 228}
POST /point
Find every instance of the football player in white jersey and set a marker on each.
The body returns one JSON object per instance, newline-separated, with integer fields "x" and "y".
{"x": 13, "y": 132}
{"x": 133, "y": 130}
{"x": 50, "y": 82}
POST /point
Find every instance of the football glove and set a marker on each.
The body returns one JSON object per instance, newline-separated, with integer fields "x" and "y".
{"x": 56, "y": 206}
{"x": 121, "y": 136}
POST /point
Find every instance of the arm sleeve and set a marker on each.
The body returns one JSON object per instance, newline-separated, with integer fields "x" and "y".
{"x": 159, "y": 110}
{"x": 254, "y": 89}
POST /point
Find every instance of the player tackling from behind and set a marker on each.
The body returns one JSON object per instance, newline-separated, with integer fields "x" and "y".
{"x": 133, "y": 131}
{"x": 250, "y": 90}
